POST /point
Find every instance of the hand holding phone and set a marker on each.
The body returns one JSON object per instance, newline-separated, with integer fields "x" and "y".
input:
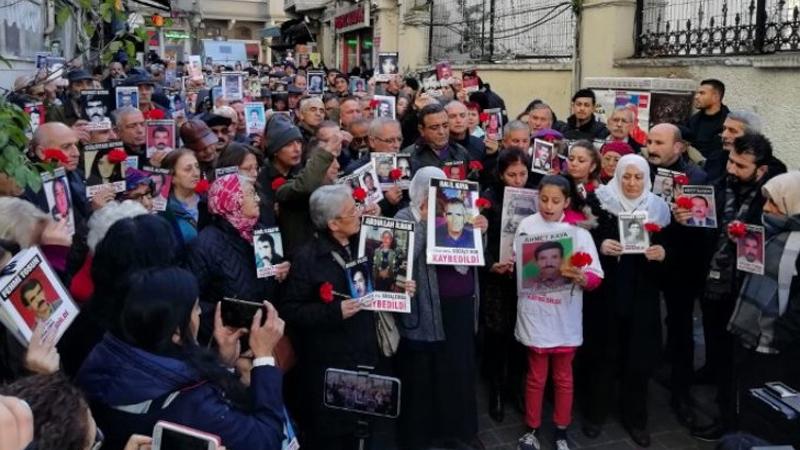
{"x": 264, "y": 337}
{"x": 227, "y": 338}
{"x": 171, "y": 436}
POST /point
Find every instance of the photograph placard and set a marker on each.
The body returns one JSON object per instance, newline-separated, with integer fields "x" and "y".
{"x": 388, "y": 245}
{"x": 160, "y": 136}
{"x": 452, "y": 236}
{"x": 493, "y": 123}
{"x": 664, "y": 184}
{"x": 359, "y": 280}
{"x": 704, "y": 207}
{"x": 232, "y": 85}
{"x": 750, "y": 250}
{"x": 32, "y": 293}
{"x": 162, "y": 182}
{"x": 387, "y": 66}
{"x": 96, "y": 104}
{"x": 632, "y": 233}
{"x": 195, "y": 68}
{"x": 365, "y": 177}
{"x": 539, "y": 258}
{"x": 255, "y": 118}
{"x": 386, "y": 106}
{"x": 268, "y": 247}
{"x": 315, "y": 82}
{"x": 386, "y": 162}
{"x": 518, "y": 203}
{"x": 100, "y": 171}
{"x": 542, "y": 154}
{"x": 59, "y": 198}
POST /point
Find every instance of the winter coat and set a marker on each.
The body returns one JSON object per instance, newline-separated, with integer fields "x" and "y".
{"x": 591, "y": 130}
{"x": 704, "y": 135}
{"x": 423, "y": 156}
{"x": 117, "y": 375}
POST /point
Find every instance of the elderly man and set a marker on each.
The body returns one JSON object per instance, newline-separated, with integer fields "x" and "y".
{"x": 79, "y": 81}
{"x": 459, "y": 130}
{"x": 706, "y": 125}
{"x": 310, "y": 116}
{"x": 540, "y": 118}
{"x": 434, "y": 147}
{"x": 736, "y": 124}
{"x": 619, "y": 126}
{"x": 221, "y": 127}
{"x": 684, "y": 272}
{"x": 131, "y": 130}
{"x": 359, "y": 145}
{"x": 385, "y": 135}
{"x": 582, "y": 124}
{"x": 241, "y": 123}
{"x": 517, "y": 134}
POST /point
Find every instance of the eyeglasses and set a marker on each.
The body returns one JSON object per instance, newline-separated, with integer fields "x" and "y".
{"x": 98, "y": 439}
{"x": 391, "y": 140}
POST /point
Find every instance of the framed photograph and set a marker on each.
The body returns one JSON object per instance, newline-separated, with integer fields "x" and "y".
{"x": 388, "y": 245}
{"x": 315, "y": 82}
{"x": 542, "y": 154}
{"x": 127, "y": 96}
{"x": 387, "y": 66}
{"x": 357, "y": 84}
{"x": 195, "y": 68}
{"x": 36, "y": 116}
{"x": 403, "y": 162}
{"x": 704, "y": 207}
{"x": 518, "y": 203}
{"x": 101, "y": 171}
{"x": 470, "y": 80}
{"x": 455, "y": 170}
{"x": 750, "y": 250}
{"x": 632, "y": 234}
{"x": 232, "y": 88}
{"x": 384, "y": 164}
{"x": 359, "y": 280}
{"x": 160, "y": 136}
{"x": 254, "y": 87}
{"x": 255, "y": 118}
{"x": 386, "y": 106}
{"x": 430, "y": 84}
{"x": 539, "y": 258}
{"x": 161, "y": 182}
{"x": 268, "y": 247}
{"x": 664, "y": 184}
{"x": 493, "y": 123}
{"x": 59, "y": 198}
{"x": 41, "y": 60}
{"x": 96, "y": 104}
{"x": 444, "y": 71}
{"x": 365, "y": 177}
{"x": 452, "y": 237}
{"x": 31, "y": 293}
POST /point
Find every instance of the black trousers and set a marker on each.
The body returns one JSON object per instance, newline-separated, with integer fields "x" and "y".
{"x": 438, "y": 398}
{"x": 719, "y": 353}
{"x": 679, "y": 302}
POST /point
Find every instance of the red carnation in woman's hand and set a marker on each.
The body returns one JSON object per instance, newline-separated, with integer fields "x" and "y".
{"x": 483, "y": 203}
{"x": 277, "y": 183}
{"x": 652, "y": 227}
{"x": 326, "y": 292}
{"x": 202, "y": 186}
{"x": 681, "y": 180}
{"x": 580, "y": 259}
{"x": 475, "y": 165}
{"x": 54, "y": 154}
{"x": 395, "y": 174}
{"x": 359, "y": 194}
{"x": 683, "y": 202}
{"x": 117, "y": 156}
{"x": 154, "y": 114}
{"x": 737, "y": 229}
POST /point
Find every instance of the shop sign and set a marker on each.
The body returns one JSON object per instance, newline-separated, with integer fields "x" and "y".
{"x": 352, "y": 18}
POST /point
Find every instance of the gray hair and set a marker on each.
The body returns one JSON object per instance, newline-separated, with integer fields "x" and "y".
{"x": 306, "y": 103}
{"x": 19, "y": 219}
{"x": 418, "y": 189}
{"x": 326, "y": 203}
{"x": 516, "y": 125}
{"x": 544, "y": 105}
{"x": 119, "y": 113}
{"x": 452, "y": 103}
{"x": 751, "y": 120}
{"x": 102, "y": 219}
{"x": 378, "y": 123}
{"x": 624, "y": 109}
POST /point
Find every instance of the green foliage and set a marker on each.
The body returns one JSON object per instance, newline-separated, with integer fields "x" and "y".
{"x": 13, "y": 143}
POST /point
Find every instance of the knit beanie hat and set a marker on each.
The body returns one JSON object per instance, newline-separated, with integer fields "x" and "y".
{"x": 548, "y": 134}
{"x": 622, "y": 148}
{"x": 280, "y": 132}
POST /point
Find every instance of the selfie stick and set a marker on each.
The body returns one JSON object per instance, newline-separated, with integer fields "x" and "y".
{"x": 362, "y": 424}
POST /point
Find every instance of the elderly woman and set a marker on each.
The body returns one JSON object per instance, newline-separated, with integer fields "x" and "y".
{"x": 436, "y": 358}
{"x": 623, "y": 331}
{"x": 222, "y": 257}
{"x": 331, "y": 331}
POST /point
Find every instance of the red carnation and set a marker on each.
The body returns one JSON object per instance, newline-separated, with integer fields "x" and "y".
{"x": 683, "y": 202}
{"x": 117, "y": 156}
{"x": 589, "y": 187}
{"x": 475, "y": 165}
{"x": 395, "y": 174}
{"x": 483, "y": 203}
{"x": 326, "y": 292}
{"x": 202, "y": 186}
{"x": 483, "y": 117}
{"x": 652, "y": 227}
{"x": 737, "y": 229}
{"x": 374, "y": 104}
{"x": 580, "y": 259}
{"x": 681, "y": 179}
{"x": 154, "y": 114}
{"x": 359, "y": 194}
{"x": 277, "y": 183}
{"x": 54, "y": 154}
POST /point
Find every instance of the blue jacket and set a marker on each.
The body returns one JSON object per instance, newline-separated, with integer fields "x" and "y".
{"x": 117, "y": 375}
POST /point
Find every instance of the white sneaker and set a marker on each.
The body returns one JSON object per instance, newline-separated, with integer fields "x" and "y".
{"x": 528, "y": 441}
{"x": 562, "y": 444}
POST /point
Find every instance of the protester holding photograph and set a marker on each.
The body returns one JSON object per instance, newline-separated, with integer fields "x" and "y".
{"x": 504, "y": 356}
{"x": 549, "y": 321}
{"x": 631, "y": 317}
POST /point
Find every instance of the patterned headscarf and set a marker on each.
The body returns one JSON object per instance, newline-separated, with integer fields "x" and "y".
{"x": 225, "y": 199}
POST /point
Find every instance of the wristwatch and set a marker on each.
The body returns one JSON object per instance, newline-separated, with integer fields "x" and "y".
{"x": 264, "y": 361}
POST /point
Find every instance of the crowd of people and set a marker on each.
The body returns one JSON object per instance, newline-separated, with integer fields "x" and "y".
{"x": 150, "y": 342}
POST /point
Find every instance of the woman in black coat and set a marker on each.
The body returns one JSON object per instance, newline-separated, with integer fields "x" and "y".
{"x": 623, "y": 328}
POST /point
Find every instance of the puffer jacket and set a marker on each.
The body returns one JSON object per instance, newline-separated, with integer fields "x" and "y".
{"x": 120, "y": 379}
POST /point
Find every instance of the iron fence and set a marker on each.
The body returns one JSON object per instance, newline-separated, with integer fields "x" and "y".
{"x": 500, "y": 30}
{"x": 694, "y": 28}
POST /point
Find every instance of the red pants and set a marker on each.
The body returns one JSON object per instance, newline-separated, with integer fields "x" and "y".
{"x": 561, "y": 363}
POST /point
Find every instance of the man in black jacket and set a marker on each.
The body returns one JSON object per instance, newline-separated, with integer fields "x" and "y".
{"x": 582, "y": 124}
{"x": 706, "y": 125}
{"x": 433, "y": 148}
{"x": 459, "y": 130}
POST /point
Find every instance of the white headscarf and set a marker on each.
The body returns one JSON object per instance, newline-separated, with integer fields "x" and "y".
{"x": 613, "y": 199}
{"x": 418, "y": 189}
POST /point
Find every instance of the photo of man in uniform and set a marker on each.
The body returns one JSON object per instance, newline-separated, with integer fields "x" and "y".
{"x": 456, "y": 232}
{"x": 385, "y": 263}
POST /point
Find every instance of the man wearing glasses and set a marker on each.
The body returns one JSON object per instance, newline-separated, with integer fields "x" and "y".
{"x": 620, "y": 125}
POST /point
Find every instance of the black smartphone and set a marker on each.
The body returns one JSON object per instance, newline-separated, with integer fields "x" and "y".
{"x": 361, "y": 392}
{"x": 239, "y": 313}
